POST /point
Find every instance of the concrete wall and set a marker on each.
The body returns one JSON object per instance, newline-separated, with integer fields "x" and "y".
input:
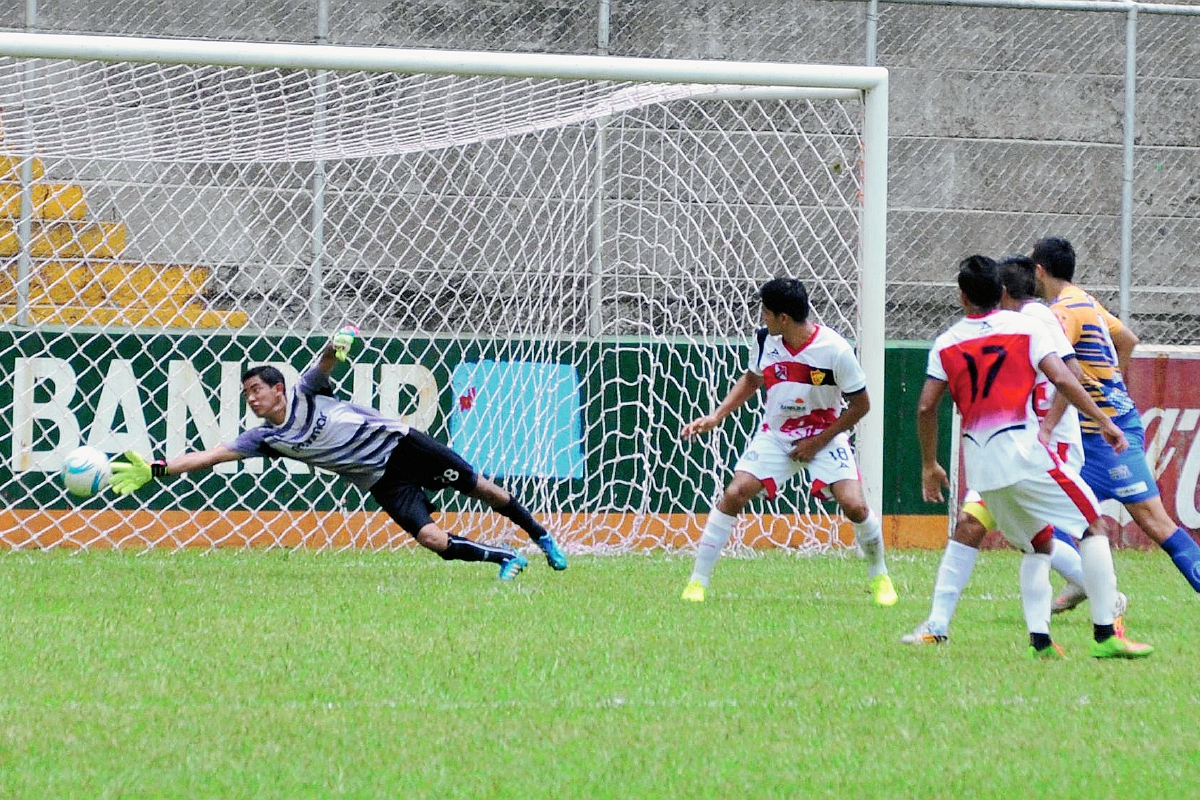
{"x": 1006, "y": 124}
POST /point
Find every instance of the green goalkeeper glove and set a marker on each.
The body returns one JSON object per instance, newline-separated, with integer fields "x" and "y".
{"x": 343, "y": 340}
{"x": 135, "y": 472}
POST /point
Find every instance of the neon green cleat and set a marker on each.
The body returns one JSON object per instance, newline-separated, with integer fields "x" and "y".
{"x": 1119, "y": 647}
{"x": 1051, "y": 653}
{"x": 694, "y": 592}
{"x": 885, "y": 593}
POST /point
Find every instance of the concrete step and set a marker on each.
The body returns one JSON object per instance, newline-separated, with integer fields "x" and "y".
{"x": 69, "y": 239}
{"x": 50, "y": 201}
{"x": 114, "y": 282}
{"x": 10, "y": 168}
{"x": 193, "y": 316}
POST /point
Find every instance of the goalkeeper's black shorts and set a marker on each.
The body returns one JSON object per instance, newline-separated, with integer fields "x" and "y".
{"x": 420, "y": 462}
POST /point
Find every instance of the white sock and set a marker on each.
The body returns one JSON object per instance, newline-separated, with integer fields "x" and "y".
{"x": 1036, "y": 592}
{"x": 868, "y": 534}
{"x": 958, "y": 562}
{"x": 717, "y": 531}
{"x": 1065, "y": 560}
{"x": 1099, "y": 578}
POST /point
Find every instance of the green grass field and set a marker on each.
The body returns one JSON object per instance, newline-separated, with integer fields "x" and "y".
{"x": 293, "y": 675}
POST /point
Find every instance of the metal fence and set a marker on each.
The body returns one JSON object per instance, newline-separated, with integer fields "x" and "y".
{"x": 1011, "y": 119}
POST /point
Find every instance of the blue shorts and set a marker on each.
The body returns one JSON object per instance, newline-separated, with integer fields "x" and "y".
{"x": 1123, "y": 477}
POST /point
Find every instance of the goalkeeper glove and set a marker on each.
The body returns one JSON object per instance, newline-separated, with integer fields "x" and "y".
{"x": 343, "y": 340}
{"x": 135, "y": 472}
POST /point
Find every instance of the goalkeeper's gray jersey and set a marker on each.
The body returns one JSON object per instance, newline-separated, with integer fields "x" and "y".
{"x": 322, "y": 431}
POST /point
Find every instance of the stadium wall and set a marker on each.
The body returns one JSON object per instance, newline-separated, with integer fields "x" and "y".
{"x": 1007, "y": 124}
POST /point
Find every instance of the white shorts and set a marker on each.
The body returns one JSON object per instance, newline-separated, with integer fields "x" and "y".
{"x": 767, "y": 459}
{"x": 1057, "y": 498}
{"x": 1069, "y": 453}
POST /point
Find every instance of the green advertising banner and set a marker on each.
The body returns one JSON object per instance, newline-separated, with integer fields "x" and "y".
{"x": 606, "y": 415}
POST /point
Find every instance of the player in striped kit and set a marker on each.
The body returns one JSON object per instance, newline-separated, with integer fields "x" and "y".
{"x": 1104, "y": 346}
{"x": 991, "y": 361}
{"x": 384, "y": 456}
{"x": 808, "y": 370}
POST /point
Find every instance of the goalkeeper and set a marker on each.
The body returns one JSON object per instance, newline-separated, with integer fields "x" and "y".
{"x": 384, "y": 456}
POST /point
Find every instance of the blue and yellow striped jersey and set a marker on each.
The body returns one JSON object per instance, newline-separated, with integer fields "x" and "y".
{"x": 1089, "y": 327}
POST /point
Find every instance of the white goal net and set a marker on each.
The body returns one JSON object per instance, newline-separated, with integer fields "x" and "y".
{"x": 552, "y": 275}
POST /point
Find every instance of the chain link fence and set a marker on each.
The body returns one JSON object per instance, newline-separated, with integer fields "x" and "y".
{"x": 1007, "y": 124}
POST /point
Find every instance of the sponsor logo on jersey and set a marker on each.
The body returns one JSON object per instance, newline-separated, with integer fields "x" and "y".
{"x": 1120, "y": 473}
{"x": 319, "y": 426}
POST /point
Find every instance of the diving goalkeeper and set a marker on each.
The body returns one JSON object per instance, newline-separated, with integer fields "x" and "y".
{"x": 384, "y": 456}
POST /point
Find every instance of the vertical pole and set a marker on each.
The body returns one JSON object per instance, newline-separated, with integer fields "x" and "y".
{"x": 25, "y": 209}
{"x": 872, "y": 290}
{"x": 595, "y": 289}
{"x": 317, "y": 240}
{"x": 1125, "y": 279}
{"x": 872, "y": 31}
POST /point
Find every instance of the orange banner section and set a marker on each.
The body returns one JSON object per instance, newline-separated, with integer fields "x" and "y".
{"x": 373, "y": 530}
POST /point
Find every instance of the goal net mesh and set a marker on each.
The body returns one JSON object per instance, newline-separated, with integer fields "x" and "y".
{"x": 552, "y": 276}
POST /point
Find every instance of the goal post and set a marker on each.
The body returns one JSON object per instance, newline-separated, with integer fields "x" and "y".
{"x": 558, "y": 251}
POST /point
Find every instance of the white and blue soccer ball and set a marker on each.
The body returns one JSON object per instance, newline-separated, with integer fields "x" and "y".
{"x": 86, "y": 471}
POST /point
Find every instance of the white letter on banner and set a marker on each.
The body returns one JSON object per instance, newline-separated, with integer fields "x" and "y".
{"x": 28, "y": 373}
{"x": 392, "y": 377}
{"x": 186, "y": 396}
{"x": 1185, "y": 491}
{"x": 364, "y": 385}
{"x": 1157, "y": 455}
{"x": 120, "y": 390}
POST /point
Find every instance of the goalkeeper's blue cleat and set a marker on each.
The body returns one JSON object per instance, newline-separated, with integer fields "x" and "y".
{"x": 554, "y": 556}
{"x": 512, "y": 567}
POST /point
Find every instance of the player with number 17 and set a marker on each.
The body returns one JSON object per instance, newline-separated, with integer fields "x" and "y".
{"x": 384, "y": 456}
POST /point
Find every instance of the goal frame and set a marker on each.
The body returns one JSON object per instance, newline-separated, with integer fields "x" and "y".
{"x": 815, "y": 80}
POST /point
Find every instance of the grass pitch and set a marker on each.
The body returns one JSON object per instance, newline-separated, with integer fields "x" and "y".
{"x": 295, "y": 675}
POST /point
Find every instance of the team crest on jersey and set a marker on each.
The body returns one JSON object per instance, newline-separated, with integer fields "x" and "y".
{"x": 781, "y": 372}
{"x": 817, "y": 376}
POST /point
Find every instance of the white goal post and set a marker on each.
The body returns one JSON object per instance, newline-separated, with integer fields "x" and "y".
{"x": 85, "y": 132}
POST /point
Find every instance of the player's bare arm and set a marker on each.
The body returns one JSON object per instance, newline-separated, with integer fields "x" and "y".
{"x": 933, "y": 477}
{"x": 201, "y": 459}
{"x": 857, "y": 406}
{"x": 745, "y": 388}
{"x": 1067, "y": 384}
{"x": 1124, "y": 341}
{"x": 1058, "y": 406}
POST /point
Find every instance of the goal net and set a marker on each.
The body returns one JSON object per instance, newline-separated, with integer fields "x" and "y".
{"x": 554, "y": 263}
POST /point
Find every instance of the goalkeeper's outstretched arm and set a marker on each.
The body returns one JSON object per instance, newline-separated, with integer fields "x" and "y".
{"x": 338, "y": 348}
{"x": 135, "y": 472}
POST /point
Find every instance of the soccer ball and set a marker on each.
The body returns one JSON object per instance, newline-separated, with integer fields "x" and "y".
{"x": 85, "y": 471}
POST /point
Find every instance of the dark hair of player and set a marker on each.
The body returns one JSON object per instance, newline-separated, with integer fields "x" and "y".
{"x": 269, "y": 375}
{"x": 979, "y": 281}
{"x": 1057, "y": 256}
{"x": 1018, "y": 274}
{"x": 785, "y": 296}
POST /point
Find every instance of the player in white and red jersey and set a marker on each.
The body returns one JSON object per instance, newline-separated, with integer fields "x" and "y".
{"x": 991, "y": 360}
{"x": 1018, "y": 280}
{"x": 808, "y": 371}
